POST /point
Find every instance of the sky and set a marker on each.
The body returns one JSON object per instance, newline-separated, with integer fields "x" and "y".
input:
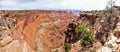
{"x": 54, "y": 4}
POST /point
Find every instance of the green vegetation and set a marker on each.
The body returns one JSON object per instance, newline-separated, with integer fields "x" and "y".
{"x": 119, "y": 8}
{"x": 67, "y": 47}
{"x": 80, "y": 32}
{"x": 86, "y": 34}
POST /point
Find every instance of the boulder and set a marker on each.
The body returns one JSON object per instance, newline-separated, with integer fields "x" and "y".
{"x": 53, "y": 50}
{"x": 118, "y": 49}
{"x": 3, "y": 34}
{"x": 14, "y": 46}
{"x": 118, "y": 27}
{"x": 111, "y": 42}
{"x": 17, "y": 46}
{"x": 105, "y": 49}
{"x": 117, "y": 19}
{"x": 6, "y": 40}
{"x": 2, "y": 28}
{"x": 118, "y": 41}
{"x": 117, "y": 33}
{"x": 118, "y": 24}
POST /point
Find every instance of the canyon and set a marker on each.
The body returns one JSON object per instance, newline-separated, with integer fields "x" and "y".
{"x": 45, "y": 31}
{"x": 34, "y": 31}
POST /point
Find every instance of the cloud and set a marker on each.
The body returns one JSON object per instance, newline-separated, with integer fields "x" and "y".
{"x": 18, "y": 4}
{"x": 26, "y": 1}
{"x": 53, "y": 4}
{"x": 118, "y": 2}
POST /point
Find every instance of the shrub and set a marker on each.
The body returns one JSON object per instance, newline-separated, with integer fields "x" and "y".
{"x": 67, "y": 47}
{"x": 86, "y": 34}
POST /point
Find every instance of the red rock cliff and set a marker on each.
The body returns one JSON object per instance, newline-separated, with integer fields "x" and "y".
{"x": 47, "y": 26}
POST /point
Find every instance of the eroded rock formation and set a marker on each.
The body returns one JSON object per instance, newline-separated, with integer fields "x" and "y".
{"x": 33, "y": 31}
{"x": 45, "y": 31}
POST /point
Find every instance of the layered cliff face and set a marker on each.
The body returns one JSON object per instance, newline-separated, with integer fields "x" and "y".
{"x": 35, "y": 30}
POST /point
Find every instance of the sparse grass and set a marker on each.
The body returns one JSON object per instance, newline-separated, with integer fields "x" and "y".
{"x": 67, "y": 47}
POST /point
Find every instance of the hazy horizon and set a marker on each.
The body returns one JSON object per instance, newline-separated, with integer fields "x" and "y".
{"x": 54, "y": 4}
